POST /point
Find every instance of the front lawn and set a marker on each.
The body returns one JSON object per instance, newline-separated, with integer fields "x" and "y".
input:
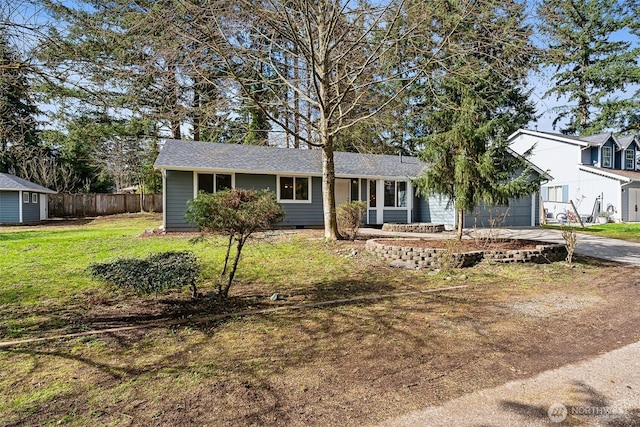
{"x": 624, "y": 231}
{"x": 354, "y": 362}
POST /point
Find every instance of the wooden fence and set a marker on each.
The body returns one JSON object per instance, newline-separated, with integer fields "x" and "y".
{"x": 83, "y": 205}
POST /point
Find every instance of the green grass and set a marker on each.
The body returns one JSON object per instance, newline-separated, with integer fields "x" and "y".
{"x": 51, "y": 263}
{"x": 624, "y": 231}
{"x": 240, "y": 364}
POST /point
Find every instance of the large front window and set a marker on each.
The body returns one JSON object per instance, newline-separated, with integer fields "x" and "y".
{"x": 213, "y": 182}
{"x": 395, "y": 194}
{"x": 607, "y": 157}
{"x": 294, "y": 188}
{"x": 629, "y": 160}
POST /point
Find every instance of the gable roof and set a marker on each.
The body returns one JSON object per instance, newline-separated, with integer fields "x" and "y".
{"x": 568, "y": 139}
{"x": 626, "y": 141}
{"x": 211, "y": 156}
{"x": 597, "y": 140}
{"x": 10, "y": 182}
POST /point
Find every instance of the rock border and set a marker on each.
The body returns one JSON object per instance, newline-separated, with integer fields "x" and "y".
{"x": 416, "y": 227}
{"x": 419, "y": 257}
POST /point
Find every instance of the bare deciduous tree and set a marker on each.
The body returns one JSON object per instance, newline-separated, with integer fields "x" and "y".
{"x": 318, "y": 63}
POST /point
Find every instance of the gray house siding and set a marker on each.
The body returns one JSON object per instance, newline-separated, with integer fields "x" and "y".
{"x": 399, "y": 216}
{"x": 179, "y": 190}
{"x": 373, "y": 217}
{"x": 31, "y": 211}
{"x": 518, "y": 214}
{"x": 438, "y": 212}
{"x": 306, "y": 214}
{"x": 420, "y": 209}
{"x": 9, "y": 206}
{"x": 256, "y": 182}
{"x": 595, "y": 156}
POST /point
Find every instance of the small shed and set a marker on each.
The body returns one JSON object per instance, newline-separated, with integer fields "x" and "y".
{"x": 22, "y": 201}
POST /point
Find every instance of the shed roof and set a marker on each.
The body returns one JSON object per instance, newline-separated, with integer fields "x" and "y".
{"x": 10, "y": 182}
{"x": 210, "y": 156}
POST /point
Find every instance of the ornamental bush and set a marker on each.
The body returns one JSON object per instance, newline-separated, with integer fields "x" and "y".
{"x": 236, "y": 214}
{"x": 156, "y": 273}
{"x": 350, "y": 218}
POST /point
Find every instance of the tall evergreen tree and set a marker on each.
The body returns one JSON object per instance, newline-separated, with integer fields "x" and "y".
{"x": 591, "y": 64}
{"x": 17, "y": 110}
{"x": 475, "y": 101}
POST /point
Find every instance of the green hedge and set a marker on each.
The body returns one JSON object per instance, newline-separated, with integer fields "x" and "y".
{"x": 155, "y": 273}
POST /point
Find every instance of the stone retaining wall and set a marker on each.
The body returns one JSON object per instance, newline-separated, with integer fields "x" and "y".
{"x": 416, "y": 227}
{"x": 418, "y": 257}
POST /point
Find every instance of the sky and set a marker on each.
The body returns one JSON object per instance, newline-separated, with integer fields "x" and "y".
{"x": 540, "y": 82}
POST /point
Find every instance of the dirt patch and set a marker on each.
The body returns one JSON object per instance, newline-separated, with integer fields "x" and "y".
{"x": 349, "y": 364}
{"x": 465, "y": 245}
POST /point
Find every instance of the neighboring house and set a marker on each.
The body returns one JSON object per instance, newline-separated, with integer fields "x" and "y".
{"x": 598, "y": 172}
{"x": 295, "y": 176}
{"x": 22, "y": 201}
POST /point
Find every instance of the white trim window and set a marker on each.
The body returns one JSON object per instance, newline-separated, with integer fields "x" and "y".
{"x": 395, "y": 194}
{"x": 25, "y": 197}
{"x": 555, "y": 193}
{"x": 629, "y": 159}
{"x": 214, "y": 182}
{"x": 294, "y": 189}
{"x": 34, "y": 198}
{"x": 607, "y": 157}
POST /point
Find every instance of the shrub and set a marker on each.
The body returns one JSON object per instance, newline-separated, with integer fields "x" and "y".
{"x": 155, "y": 273}
{"x": 236, "y": 213}
{"x": 350, "y": 218}
{"x": 571, "y": 241}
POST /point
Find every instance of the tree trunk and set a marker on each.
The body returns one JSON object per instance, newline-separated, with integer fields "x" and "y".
{"x": 460, "y": 224}
{"x": 234, "y": 267}
{"x": 328, "y": 193}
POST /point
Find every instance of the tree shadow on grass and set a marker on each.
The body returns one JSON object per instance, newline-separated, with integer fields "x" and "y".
{"x": 592, "y": 407}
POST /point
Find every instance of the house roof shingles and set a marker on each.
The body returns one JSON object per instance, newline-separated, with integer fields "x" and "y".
{"x": 191, "y": 155}
{"x": 10, "y": 182}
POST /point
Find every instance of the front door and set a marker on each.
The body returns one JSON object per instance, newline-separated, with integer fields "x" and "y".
{"x": 343, "y": 186}
{"x": 44, "y": 207}
{"x": 634, "y": 205}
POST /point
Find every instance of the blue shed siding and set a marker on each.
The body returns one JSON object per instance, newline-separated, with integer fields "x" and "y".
{"x": 306, "y": 214}
{"x": 179, "y": 190}
{"x": 9, "y": 206}
{"x": 256, "y": 182}
{"x": 30, "y": 211}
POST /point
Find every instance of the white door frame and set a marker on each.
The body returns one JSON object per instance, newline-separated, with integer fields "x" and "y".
{"x": 44, "y": 206}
